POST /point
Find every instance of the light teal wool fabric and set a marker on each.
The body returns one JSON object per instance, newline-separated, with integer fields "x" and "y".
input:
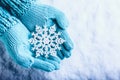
{"x": 15, "y": 37}
{"x": 32, "y": 14}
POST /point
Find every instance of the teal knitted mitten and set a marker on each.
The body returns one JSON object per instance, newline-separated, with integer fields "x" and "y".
{"x": 32, "y": 14}
{"x": 15, "y": 37}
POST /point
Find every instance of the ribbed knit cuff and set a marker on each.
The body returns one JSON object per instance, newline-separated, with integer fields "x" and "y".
{"x": 6, "y": 21}
{"x": 16, "y": 7}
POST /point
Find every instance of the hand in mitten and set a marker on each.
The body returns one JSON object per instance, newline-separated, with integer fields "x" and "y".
{"x": 32, "y": 14}
{"x": 15, "y": 37}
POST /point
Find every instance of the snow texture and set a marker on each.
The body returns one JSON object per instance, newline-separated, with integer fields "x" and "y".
{"x": 95, "y": 31}
{"x": 45, "y": 41}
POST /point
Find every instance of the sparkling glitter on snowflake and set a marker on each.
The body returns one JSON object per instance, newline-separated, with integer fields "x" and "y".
{"x": 46, "y": 41}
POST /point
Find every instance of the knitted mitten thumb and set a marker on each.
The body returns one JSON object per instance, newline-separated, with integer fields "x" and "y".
{"x": 14, "y": 35}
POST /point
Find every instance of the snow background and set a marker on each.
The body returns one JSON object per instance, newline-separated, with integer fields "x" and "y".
{"x": 95, "y": 31}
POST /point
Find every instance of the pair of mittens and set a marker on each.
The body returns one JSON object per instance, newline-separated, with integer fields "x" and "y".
{"x": 16, "y": 37}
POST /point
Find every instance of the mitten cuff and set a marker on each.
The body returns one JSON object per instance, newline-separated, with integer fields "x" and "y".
{"x": 16, "y": 7}
{"x": 6, "y": 21}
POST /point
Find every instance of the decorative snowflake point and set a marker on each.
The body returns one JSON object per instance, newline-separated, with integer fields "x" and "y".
{"x": 46, "y": 41}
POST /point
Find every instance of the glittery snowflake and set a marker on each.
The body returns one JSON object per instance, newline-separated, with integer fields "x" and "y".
{"x": 45, "y": 41}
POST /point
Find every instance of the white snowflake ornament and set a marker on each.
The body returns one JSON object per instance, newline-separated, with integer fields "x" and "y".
{"x": 46, "y": 41}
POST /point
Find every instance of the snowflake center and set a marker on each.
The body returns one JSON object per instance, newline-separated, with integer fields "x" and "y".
{"x": 46, "y": 41}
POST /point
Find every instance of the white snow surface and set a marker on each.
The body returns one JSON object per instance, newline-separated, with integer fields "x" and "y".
{"x": 95, "y": 30}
